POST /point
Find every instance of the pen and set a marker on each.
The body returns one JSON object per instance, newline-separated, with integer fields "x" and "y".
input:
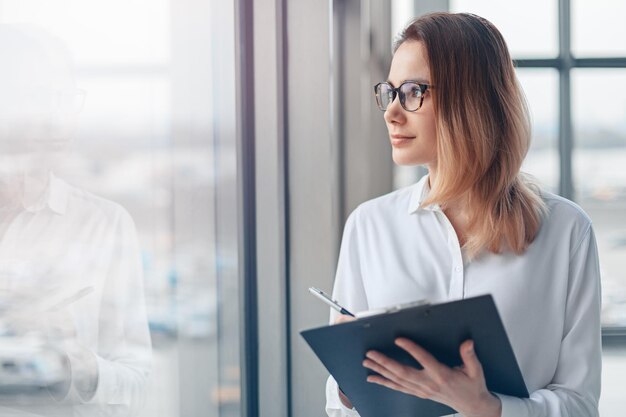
{"x": 326, "y": 298}
{"x": 69, "y": 300}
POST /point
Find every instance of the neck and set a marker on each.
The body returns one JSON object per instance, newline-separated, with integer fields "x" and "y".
{"x": 10, "y": 193}
{"x": 34, "y": 187}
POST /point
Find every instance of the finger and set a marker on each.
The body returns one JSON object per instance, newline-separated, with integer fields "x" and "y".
{"x": 406, "y": 376}
{"x": 403, "y": 377}
{"x": 390, "y": 368}
{"x": 344, "y": 318}
{"x": 395, "y": 386}
{"x": 420, "y": 354}
{"x": 472, "y": 365}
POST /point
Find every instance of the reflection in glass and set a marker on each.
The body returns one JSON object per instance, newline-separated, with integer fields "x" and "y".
{"x": 156, "y": 135}
{"x": 599, "y": 176}
{"x": 71, "y": 285}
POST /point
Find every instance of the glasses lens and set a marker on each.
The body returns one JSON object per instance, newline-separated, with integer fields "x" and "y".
{"x": 412, "y": 96}
{"x": 384, "y": 95}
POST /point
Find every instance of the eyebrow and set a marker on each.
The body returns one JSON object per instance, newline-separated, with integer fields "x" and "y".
{"x": 415, "y": 80}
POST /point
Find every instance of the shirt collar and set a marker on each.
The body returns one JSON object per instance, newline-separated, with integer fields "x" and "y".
{"x": 419, "y": 193}
{"x": 54, "y": 198}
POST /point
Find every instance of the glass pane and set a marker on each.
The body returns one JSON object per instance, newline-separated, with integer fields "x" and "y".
{"x": 118, "y": 163}
{"x": 600, "y": 179}
{"x": 88, "y": 25}
{"x": 401, "y": 13}
{"x": 541, "y": 89}
{"x": 598, "y": 28}
{"x": 530, "y": 28}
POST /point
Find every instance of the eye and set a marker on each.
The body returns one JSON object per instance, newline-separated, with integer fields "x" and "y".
{"x": 412, "y": 90}
{"x": 416, "y": 91}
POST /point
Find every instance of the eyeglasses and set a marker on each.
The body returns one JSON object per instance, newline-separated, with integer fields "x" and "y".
{"x": 411, "y": 95}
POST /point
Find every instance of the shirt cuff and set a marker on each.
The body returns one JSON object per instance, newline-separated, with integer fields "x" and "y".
{"x": 69, "y": 391}
{"x": 107, "y": 383}
{"x": 512, "y": 406}
{"x": 333, "y": 401}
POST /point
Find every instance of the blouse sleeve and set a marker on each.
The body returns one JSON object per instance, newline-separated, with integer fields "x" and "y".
{"x": 575, "y": 388}
{"x": 124, "y": 353}
{"x": 350, "y": 293}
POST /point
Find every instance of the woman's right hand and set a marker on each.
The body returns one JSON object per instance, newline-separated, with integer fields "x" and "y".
{"x": 344, "y": 318}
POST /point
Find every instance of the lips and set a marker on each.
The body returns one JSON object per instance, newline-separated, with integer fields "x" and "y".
{"x": 400, "y": 140}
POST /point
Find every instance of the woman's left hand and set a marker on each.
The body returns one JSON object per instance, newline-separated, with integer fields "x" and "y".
{"x": 462, "y": 388}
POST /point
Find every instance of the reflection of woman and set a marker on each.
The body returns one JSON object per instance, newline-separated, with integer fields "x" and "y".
{"x": 73, "y": 255}
{"x": 473, "y": 225}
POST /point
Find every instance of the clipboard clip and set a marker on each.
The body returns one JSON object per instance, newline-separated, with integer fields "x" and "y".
{"x": 392, "y": 309}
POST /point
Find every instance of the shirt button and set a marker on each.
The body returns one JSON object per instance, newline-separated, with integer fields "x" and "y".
{"x": 457, "y": 269}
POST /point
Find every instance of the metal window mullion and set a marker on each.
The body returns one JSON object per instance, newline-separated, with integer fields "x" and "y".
{"x": 537, "y": 63}
{"x": 600, "y": 62}
{"x": 613, "y": 62}
{"x": 272, "y": 210}
{"x": 246, "y": 196}
{"x": 566, "y": 187}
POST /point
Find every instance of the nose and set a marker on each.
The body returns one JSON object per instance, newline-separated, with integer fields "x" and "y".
{"x": 395, "y": 112}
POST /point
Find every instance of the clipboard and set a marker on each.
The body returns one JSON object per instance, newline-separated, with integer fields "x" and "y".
{"x": 440, "y": 329}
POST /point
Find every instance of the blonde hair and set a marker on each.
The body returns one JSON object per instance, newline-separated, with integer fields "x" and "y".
{"x": 483, "y": 131}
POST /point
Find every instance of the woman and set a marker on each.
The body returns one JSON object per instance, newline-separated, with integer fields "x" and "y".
{"x": 473, "y": 225}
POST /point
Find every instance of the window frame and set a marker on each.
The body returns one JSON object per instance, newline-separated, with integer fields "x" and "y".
{"x": 564, "y": 63}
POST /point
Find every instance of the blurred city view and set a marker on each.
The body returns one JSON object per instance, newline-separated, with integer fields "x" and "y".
{"x": 599, "y": 153}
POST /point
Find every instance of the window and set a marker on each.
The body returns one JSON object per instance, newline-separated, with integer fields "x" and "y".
{"x": 592, "y": 135}
{"x": 155, "y": 138}
{"x": 598, "y": 158}
{"x": 582, "y": 93}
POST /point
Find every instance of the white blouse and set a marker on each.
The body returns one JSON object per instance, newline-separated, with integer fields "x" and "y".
{"x": 395, "y": 252}
{"x": 70, "y": 240}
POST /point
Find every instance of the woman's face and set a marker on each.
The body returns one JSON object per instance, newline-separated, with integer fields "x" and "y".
{"x": 412, "y": 134}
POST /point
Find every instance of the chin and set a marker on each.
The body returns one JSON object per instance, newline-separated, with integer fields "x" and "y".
{"x": 406, "y": 159}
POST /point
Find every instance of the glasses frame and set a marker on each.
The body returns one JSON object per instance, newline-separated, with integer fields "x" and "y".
{"x": 397, "y": 92}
